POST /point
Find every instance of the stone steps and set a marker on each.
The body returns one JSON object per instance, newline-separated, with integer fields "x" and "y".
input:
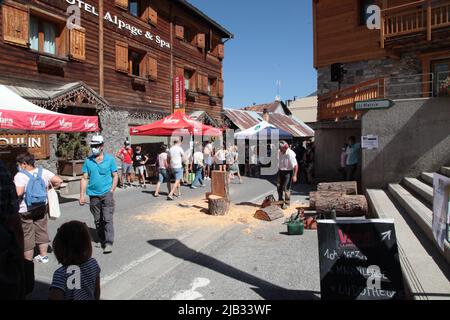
{"x": 445, "y": 171}
{"x": 422, "y": 189}
{"x": 427, "y": 177}
{"x": 426, "y": 273}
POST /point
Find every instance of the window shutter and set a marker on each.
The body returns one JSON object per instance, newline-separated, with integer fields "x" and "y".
{"x": 152, "y": 16}
{"x": 220, "y": 89}
{"x": 15, "y": 25}
{"x": 201, "y": 40}
{"x": 221, "y": 51}
{"x": 122, "y": 57}
{"x": 122, "y": 4}
{"x": 179, "y": 71}
{"x": 78, "y": 44}
{"x": 199, "y": 78}
{"x": 152, "y": 68}
{"x": 179, "y": 32}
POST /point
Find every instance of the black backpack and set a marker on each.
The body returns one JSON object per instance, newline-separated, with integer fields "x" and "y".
{"x": 12, "y": 274}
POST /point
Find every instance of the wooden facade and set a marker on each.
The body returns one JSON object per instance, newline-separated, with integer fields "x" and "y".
{"x": 145, "y": 44}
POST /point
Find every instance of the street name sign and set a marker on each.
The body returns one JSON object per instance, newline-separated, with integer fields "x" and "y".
{"x": 373, "y": 104}
{"x": 359, "y": 260}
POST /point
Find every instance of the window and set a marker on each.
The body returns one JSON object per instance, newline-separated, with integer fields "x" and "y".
{"x": 136, "y": 63}
{"x": 212, "y": 88}
{"x": 134, "y": 7}
{"x": 363, "y": 15}
{"x": 189, "y": 35}
{"x": 187, "y": 79}
{"x": 42, "y": 35}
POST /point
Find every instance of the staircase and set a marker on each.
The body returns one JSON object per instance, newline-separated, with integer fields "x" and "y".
{"x": 425, "y": 266}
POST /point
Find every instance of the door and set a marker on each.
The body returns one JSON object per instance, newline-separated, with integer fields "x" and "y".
{"x": 441, "y": 75}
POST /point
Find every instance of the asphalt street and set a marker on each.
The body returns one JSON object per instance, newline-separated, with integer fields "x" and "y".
{"x": 151, "y": 261}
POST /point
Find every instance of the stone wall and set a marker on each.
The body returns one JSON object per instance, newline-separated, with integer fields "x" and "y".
{"x": 398, "y": 73}
{"x": 414, "y": 136}
{"x": 51, "y": 163}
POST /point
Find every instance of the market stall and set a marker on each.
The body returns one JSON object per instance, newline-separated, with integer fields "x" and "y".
{"x": 263, "y": 131}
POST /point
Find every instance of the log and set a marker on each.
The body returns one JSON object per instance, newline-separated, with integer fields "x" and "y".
{"x": 269, "y": 214}
{"x": 324, "y": 194}
{"x": 345, "y": 205}
{"x": 347, "y": 187}
{"x": 219, "y": 184}
{"x": 218, "y": 206}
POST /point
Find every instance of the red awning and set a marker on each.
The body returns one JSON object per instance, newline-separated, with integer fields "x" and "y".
{"x": 19, "y": 115}
{"x": 176, "y": 124}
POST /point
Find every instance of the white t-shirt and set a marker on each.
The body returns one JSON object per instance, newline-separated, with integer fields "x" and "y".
{"x": 176, "y": 154}
{"x": 208, "y": 150}
{"x": 21, "y": 180}
{"x": 198, "y": 158}
{"x": 287, "y": 161}
{"x": 162, "y": 158}
{"x": 220, "y": 155}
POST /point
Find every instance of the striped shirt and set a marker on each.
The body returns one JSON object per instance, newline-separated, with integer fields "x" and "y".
{"x": 65, "y": 276}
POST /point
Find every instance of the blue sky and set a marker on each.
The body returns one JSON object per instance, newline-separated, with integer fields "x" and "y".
{"x": 273, "y": 41}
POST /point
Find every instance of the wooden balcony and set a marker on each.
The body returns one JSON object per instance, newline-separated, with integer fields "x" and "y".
{"x": 340, "y": 105}
{"x": 416, "y": 18}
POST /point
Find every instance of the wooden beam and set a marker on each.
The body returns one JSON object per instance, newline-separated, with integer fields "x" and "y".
{"x": 101, "y": 67}
{"x": 429, "y": 21}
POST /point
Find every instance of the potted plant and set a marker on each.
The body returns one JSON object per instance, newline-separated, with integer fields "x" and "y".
{"x": 71, "y": 152}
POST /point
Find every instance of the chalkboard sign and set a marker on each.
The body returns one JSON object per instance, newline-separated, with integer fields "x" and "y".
{"x": 359, "y": 260}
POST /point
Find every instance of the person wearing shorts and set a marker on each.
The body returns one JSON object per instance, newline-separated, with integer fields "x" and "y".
{"x": 125, "y": 154}
{"x": 208, "y": 160}
{"x": 140, "y": 160}
{"x": 176, "y": 156}
{"x": 34, "y": 220}
{"x": 163, "y": 170}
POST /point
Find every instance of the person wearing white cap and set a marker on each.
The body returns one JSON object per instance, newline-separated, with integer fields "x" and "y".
{"x": 100, "y": 181}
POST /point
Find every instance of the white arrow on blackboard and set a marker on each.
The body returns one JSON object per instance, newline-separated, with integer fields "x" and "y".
{"x": 387, "y": 235}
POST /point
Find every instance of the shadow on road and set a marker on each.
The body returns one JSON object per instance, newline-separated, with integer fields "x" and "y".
{"x": 265, "y": 289}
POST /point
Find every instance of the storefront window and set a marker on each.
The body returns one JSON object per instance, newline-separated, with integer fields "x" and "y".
{"x": 42, "y": 36}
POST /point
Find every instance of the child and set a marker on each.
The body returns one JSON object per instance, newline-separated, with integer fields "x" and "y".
{"x": 79, "y": 276}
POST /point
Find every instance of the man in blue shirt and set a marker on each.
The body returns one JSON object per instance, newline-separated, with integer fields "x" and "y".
{"x": 353, "y": 151}
{"x": 100, "y": 181}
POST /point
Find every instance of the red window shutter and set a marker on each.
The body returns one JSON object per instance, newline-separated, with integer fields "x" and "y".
{"x": 179, "y": 32}
{"x": 221, "y": 51}
{"x": 15, "y": 24}
{"x": 201, "y": 40}
{"x": 220, "y": 88}
{"x": 122, "y": 57}
{"x": 152, "y": 68}
{"x": 122, "y": 4}
{"x": 78, "y": 44}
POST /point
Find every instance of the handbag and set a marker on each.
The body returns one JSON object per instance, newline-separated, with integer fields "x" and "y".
{"x": 191, "y": 177}
{"x": 54, "y": 211}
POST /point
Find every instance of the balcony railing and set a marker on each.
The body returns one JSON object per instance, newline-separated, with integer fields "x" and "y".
{"x": 340, "y": 104}
{"x": 416, "y": 17}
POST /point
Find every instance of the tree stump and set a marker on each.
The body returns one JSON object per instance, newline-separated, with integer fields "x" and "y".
{"x": 346, "y": 187}
{"x": 269, "y": 214}
{"x": 207, "y": 195}
{"x": 345, "y": 205}
{"x": 218, "y": 206}
{"x": 324, "y": 194}
{"x": 219, "y": 184}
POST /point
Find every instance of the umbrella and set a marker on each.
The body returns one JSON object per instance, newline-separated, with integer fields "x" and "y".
{"x": 262, "y": 130}
{"x": 175, "y": 124}
{"x": 19, "y": 115}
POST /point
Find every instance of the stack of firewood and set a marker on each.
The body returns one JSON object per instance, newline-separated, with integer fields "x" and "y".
{"x": 341, "y": 197}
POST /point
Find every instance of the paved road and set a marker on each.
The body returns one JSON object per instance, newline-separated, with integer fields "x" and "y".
{"x": 151, "y": 261}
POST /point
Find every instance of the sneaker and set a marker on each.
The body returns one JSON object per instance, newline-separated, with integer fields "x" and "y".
{"x": 41, "y": 259}
{"x": 156, "y": 195}
{"x": 284, "y": 206}
{"x": 193, "y": 187}
{"x": 108, "y": 249}
{"x": 170, "y": 198}
{"x": 203, "y": 186}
